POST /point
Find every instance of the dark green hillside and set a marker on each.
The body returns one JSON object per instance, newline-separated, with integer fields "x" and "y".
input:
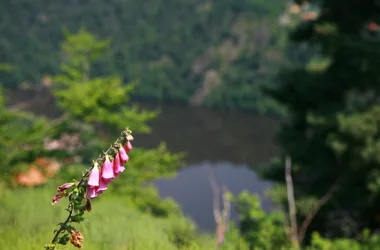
{"x": 216, "y": 53}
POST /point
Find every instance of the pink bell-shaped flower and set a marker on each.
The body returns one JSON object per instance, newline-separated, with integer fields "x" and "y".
{"x": 128, "y": 146}
{"x": 107, "y": 170}
{"x": 123, "y": 155}
{"x": 91, "y": 192}
{"x": 102, "y": 186}
{"x": 118, "y": 166}
{"x": 93, "y": 179}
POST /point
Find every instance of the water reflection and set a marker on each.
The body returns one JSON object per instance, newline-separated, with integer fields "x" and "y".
{"x": 211, "y": 135}
{"x": 227, "y": 141}
{"x": 191, "y": 189}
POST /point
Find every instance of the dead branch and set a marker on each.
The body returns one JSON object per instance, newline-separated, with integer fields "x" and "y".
{"x": 287, "y": 228}
{"x": 291, "y": 201}
{"x": 310, "y": 216}
{"x": 221, "y": 218}
{"x": 296, "y": 236}
{"x": 226, "y": 206}
{"x": 215, "y": 191}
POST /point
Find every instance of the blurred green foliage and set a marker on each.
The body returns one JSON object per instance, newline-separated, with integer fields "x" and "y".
{"x": 259, "y": 229}
{"x": 268, "y": 231}
{"x": 331, "y": 92}
{"x": 21, "y": 138}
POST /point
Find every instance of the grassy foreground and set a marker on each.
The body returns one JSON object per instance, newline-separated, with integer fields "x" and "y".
{"x": 27, "y": 221}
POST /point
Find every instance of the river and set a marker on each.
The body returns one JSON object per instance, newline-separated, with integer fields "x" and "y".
{"x": 228, "y": 142}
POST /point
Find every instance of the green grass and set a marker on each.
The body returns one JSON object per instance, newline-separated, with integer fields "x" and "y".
{"x": 27, "y": 221}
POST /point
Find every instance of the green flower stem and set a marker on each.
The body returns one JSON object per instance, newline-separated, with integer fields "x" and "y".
{"x": 70, "y": 208}
{"x": 74, "y": 203}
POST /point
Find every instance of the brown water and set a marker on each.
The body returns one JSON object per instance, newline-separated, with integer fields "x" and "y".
{"x": 212, "y": 135}
{"x": 228, "y": 142}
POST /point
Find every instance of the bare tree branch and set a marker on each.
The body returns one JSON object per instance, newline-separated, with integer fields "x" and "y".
{"x": 291, "y": 201}
{"x": 296, "y": 236}
{"x": 226, "y": 206}
{"x": 221, "y": 218}
{"x": 215, "y": 191}
{"x": 287, "y": 228}
{"x": 310, "y": 216}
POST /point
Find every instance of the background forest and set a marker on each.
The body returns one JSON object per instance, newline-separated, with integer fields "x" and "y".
{"x": 216, "y": 53}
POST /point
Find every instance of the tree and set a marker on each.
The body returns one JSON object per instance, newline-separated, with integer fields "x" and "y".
{"x": 332, "y": 131}
{"x": 99, "y": 99}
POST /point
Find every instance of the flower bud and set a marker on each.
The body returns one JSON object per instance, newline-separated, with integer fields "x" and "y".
{"x": 123, "y": 155}
{"x": 63, "y": 187}
{"x": 118, "y": 166}
{"x": 129, "y": 137}
{"x": 56, "y": 198}
{"x": 88, "y": 205}
{"x": 128, "y": 146}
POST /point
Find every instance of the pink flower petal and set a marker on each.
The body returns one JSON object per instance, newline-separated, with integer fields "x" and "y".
{"x": 93, "y": 179}
{"x": 107, "y": 170}
{"x": 102, "y": 186}
{"x": 116, "y": 163}
{"x": 91, "y": 192}
{"x": 118, "y": 166}
{"x": 128, "y": 146}
{"x": 123, "y": 155}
